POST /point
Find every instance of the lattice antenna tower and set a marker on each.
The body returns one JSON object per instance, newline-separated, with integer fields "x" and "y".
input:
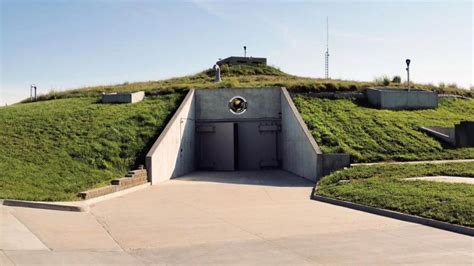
{"x": 326, "y": 56}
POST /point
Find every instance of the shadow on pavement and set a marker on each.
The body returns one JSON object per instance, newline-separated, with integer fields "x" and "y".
{"x": 277, "y": 178}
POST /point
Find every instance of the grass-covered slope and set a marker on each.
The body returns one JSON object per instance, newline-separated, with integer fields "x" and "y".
{"x": 54, "y": 149}
{"x": 369, "y": 134}
{"x": 243, "y": 77}
{"x": 383, "y": 186}
{"x": 67, "y": 142}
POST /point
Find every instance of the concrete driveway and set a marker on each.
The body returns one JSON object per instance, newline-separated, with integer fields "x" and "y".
{"x": 223, "y": 218}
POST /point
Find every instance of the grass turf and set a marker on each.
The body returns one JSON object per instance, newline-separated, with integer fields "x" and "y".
{"x": 54, "y": 149}
{"x": 382, "y": 186}
{"x": 370, "y": 135}
{"x": 242, "y": 76}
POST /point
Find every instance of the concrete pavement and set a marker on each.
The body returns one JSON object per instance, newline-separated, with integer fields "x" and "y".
{"x": 14, "y": 235}
{"x": 225, "y": 218}
{"x": 445, "y": 179}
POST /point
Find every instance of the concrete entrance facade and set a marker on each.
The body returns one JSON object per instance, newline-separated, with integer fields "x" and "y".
{"x": 247, "y": 141}
{"x": 206, "y": 134}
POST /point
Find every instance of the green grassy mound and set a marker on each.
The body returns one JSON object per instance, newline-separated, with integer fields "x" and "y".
{"x": 66, "y": 142}
{"x": 383, "y": 186}
{"x": 242, "y": 76}
{"x": 52, "y": 150}
{"x": 369, "y": 134}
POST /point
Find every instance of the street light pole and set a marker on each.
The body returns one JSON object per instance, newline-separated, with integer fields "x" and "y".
{"x": 408, "y": 72}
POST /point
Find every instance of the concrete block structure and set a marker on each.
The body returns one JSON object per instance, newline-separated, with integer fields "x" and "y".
{"x": 402, "y": 99}
{"x": 123, "y": 97}
{"x": 464, "y": 134}
{"x": 240, "y": 60}
{"x": 238, "y": 129}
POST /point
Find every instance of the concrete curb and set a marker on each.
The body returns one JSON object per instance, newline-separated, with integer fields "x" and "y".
{"x": 47, "y": 205}
{"x": 72, "y": 206}
{"x": 397, "y": 215}
{"x": 415, "y": 162}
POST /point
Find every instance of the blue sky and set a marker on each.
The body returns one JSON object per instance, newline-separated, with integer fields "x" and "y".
{"x": 59, "y": 44}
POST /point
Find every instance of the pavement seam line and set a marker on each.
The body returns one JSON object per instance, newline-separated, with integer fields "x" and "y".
{"x": 266, "y": 192}
{"x": 30, "y": 230}
{"x": 103, "y": 224}
{"x": 271, "y": 242}
{"x": 8, "y": 257}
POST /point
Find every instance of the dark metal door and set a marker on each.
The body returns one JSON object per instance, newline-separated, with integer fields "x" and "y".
{"x": 216, "y": 146}
{"x": 258, "y": 145}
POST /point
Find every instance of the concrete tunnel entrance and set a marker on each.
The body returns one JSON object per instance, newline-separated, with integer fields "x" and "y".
{"x": 235, "y": 129}
{"x": 238, "y": 129}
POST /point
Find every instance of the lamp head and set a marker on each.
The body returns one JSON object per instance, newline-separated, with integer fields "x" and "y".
{"x": 408, "y": 62}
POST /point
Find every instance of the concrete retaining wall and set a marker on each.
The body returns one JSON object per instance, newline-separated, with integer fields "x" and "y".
{"x": 173, "y": 153}
{"x": 123, "y": 97}
{"x": 335, "y": 161}
{"x": 400, "y": 99}
{"x": 446, "y": 134}
{"x": 300, "y": 153}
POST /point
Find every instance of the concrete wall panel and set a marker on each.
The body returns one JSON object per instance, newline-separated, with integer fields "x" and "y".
{"x": 212, "y": 104}
{"x": 300, "y": 153}
{"x": 335, "y": 161}
{"x": 173, "y": 153}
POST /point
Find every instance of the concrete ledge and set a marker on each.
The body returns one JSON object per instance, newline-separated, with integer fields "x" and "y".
{"x": 73, "y": 206}
{"x": 398, "y": 215}
{"x": 46, "y": 205}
